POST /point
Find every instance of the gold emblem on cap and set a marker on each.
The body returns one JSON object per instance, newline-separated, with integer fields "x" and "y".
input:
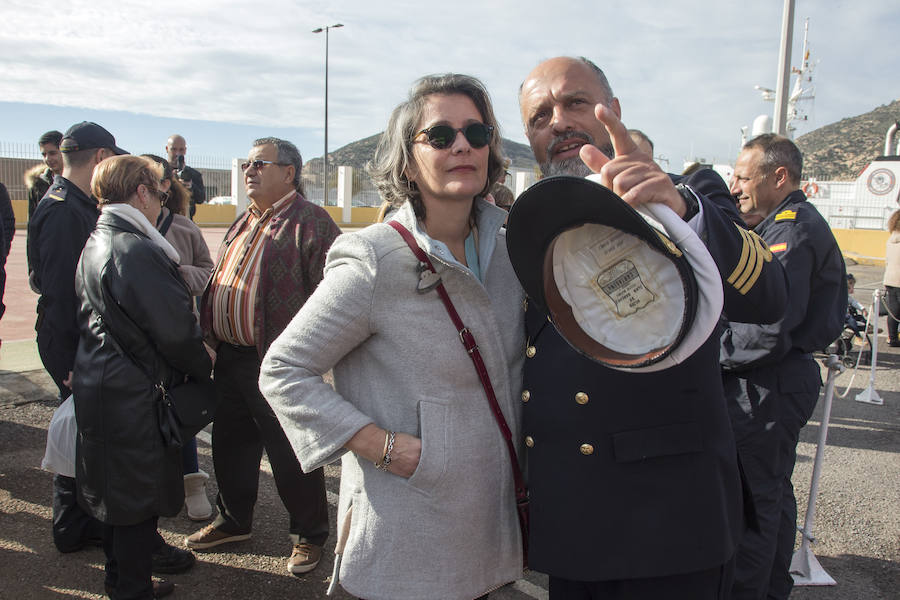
{"x": 669, "y": 244}
{"x": 526, "y": 396}
{"x": 586, "y": 449}
{"x": 581, "y": 398}
{"x": 530, "y": 351}
{"x": 529, "y": 441}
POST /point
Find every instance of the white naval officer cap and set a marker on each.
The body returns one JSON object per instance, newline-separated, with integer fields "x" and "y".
{"x": 634, "y": 290}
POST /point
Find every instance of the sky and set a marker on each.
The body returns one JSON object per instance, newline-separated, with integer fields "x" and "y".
{"x": 224, "y": 73}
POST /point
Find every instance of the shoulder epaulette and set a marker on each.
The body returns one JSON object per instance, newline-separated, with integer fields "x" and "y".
{"x": 56, "y": 197}
{"x": 786, "y": 215}
{"x": 778, "y": 247}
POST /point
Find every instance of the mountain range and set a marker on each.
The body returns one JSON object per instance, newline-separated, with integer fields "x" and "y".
{"x": 835, "y": 152}
{"x": 840, "y": 151}
{"x": 357, "y": 154}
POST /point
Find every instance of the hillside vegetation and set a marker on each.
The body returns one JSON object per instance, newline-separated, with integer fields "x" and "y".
{"x": 840, "y": 151}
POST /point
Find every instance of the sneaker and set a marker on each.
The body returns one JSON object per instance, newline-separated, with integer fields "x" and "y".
{"x": 893, "y": 343}
{"x": 211, "y": 536}
{"x": 304, "y": 558}
{"x": 169, "y": 559}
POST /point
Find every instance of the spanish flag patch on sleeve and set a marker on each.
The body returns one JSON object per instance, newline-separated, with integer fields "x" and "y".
{"x": 786, "y": 215}
{"x": 778, "y": 247}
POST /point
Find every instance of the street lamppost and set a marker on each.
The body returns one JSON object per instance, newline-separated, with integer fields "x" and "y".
{"x": 325, "y": 156}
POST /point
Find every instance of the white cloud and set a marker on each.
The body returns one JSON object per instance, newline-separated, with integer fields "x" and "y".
{"x": 684, "y": 71}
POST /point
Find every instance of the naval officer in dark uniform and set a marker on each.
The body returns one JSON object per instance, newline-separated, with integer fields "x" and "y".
{"x": 634, "y": 480}
{"x": 57, "y": 232}
{"x": 770, "y": 377}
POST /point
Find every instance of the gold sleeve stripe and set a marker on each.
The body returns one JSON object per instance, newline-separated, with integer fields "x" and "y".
{"x": 747, "y": 259}
{"x": 55, "y": 197}
{"x": 752, "y": 263}
{"x": 751, "y": 281}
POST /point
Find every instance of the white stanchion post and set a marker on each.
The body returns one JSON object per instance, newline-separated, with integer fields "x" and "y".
{"x": 345, "y": 193}
{"x": 238, "y": 191}
{"x": 805, "y": 567}
{"x": 523, "y": 180}
{"x": 869, "y": 395}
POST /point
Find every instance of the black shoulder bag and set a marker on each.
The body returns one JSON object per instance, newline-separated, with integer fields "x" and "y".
{"x": 184, "y": 408}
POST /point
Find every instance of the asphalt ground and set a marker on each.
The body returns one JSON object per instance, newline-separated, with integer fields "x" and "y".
{"x": 857, "y": 523}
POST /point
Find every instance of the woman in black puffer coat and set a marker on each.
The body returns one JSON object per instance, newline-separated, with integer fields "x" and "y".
{"x": 136, "y": 323}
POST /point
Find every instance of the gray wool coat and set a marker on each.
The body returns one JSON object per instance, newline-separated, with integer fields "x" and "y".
{"x": 450, "y": 531}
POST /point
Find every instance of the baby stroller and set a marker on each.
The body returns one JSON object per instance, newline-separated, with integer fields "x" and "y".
{"x": 854, "y": 328}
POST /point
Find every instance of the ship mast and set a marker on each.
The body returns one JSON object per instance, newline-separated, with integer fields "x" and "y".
{"x": 803, "y": 89}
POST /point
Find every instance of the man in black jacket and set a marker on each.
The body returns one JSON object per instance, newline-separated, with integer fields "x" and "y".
{"x": 57, "y": 232}
{"x": 60, "y": 226}
{"x": 39, "y": 179}
{"x": 176, "y": 149}
{"x": 770, "y": 377}
{"x": 7, "y": 231}
{"x": 635, "y": 489}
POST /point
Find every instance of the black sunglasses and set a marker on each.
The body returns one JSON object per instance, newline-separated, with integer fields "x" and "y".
{"x": 442, "y": 136}
{"x": 259, "y": 164}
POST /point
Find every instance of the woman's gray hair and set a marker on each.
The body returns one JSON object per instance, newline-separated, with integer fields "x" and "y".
{"x": 287, "y": 155}
{"x": 394, "y": 152}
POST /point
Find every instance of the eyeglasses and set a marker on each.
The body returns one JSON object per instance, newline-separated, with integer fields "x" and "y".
{"x": 259, "y": 164}
{"x": 163, "y": 197}
{"x": 442, "y": 136}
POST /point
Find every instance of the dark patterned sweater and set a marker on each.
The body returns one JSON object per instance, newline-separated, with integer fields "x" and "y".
{"x": 297, "y": 240}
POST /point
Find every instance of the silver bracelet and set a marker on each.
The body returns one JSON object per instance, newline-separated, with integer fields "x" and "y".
{"x": 386, "y": 461}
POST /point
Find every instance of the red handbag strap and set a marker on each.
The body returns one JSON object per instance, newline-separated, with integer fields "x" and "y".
{"x": 468, "y": 342}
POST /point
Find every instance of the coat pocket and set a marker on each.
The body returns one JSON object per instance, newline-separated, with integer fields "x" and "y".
{"x": 666, "y": 440}
{"x": 433, "y": 430}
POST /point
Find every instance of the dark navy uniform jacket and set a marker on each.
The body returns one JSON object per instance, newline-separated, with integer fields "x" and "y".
{"x": 765, "y": 362}
{"x": 803, "y": 243}
{"x": 57, "y": 232}
{"x": 635, "y": 475}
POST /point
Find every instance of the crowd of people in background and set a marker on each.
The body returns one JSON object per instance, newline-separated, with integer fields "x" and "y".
{"x": 697, "y": 457}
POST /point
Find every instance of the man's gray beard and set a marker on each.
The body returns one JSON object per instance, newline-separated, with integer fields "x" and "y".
{"x": 573, "y": 166}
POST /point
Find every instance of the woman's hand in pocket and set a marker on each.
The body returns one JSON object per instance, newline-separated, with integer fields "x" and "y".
{"x": 405, "y": 455}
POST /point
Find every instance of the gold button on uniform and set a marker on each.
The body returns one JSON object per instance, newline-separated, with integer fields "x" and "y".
{"x": 530, "y": 351}
{"x": 529, "y": 441}
{"x": 586, "y": 449}
{"x": 526, "y": 396}
{"x": 581, "y": 398}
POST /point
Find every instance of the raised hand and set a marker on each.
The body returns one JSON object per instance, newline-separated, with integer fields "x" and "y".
{"x": 631, "y": 174}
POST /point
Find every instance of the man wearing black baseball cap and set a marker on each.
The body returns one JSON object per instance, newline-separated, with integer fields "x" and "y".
{"x": 57, "y": 232}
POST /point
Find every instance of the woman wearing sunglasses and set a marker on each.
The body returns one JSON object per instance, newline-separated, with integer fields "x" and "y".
{"x": 195, "y": 268}
{"x": 137, "y": 330}
{"x": 427, "y": 506}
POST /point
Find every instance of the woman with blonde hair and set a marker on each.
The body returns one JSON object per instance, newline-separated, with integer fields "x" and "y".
{"x": 137, "y": 333}
{"x": 428, "y": 497}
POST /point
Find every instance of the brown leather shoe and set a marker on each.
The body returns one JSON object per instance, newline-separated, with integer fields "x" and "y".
{"x": 304, "y": 558}
{"x": 211, "y": 536}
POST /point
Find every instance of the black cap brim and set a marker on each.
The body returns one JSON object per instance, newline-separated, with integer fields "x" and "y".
{"x": 557, "y": 204}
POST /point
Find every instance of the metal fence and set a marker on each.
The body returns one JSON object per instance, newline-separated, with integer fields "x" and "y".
{"x": 18, "y": 158}
{"x": 845, "y": 205}
{"x": 363, "y": 190}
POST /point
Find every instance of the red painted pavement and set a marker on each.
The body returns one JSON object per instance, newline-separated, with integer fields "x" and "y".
{"x": 18, "y": 321}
